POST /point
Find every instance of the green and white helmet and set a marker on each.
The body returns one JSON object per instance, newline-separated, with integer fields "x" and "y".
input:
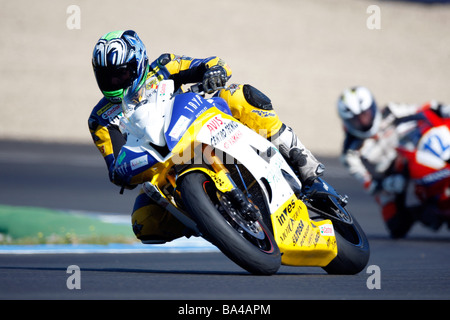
{"x": 120, "y": 62}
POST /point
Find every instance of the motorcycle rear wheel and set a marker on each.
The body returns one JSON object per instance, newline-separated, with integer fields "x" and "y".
{"x": 352, "y": 243}
{"x": 353, "y": 250}
{"x": 252, "y": 247}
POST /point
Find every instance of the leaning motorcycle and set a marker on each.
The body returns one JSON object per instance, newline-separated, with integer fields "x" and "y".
{"x": 232, "y": 187}
{"x": 424, "y": 158}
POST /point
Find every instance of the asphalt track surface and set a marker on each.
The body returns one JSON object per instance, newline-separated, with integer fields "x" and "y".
{"x": 74, "y": 177}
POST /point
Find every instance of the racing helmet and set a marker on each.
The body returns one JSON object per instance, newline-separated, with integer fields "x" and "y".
{"x": 120, "y": 62}
{"x": 359, "y": 113}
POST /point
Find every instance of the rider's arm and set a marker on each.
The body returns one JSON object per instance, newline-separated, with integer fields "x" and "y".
{"x": 183, "y": 70}
{"x": 106, "y": 136}
{"x": 351, "y": 159}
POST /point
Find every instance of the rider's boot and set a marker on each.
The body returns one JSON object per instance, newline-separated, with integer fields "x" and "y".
{"x": 153, "y": 224}
{"x": 298, "y": 155}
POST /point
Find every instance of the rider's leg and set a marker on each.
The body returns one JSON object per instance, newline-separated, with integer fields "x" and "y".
{"x": 299, "y": 156}
{"x": 254, "y": 109}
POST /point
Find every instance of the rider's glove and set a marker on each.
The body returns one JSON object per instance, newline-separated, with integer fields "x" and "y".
{"x": 214, "y": 78}
{"x": 394, "y": 183}
{"x": 120, "y": 176}
{"x": 372, "y": 186}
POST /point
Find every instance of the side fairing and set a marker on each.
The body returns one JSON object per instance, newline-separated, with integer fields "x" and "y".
{"x": 257, "y": 154}
{"x": 133, "y": 160}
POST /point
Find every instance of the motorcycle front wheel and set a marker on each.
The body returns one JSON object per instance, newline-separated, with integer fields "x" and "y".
{"x": 249, "y": 244}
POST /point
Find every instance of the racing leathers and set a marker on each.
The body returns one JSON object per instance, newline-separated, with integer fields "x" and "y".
{"x": 374, "y": 163}
{"x": 152, "y": 224}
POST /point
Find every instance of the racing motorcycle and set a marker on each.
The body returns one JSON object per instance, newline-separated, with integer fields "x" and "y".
{"x": 232, "y": 187}
{"x": 424, "y": 158}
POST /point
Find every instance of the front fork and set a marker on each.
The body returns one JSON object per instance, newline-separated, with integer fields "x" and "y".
{"x": 222, "y": 180}
{"x": 245, "y": 207}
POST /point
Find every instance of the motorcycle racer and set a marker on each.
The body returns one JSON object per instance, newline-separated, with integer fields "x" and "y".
{"x": 369, "y": 153}
{"x": 121, "y": 66}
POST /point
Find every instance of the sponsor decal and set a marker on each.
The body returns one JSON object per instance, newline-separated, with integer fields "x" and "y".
{"x": 110, "y": 111}
{"x": 233, "y": 88}
{"x": 105, "y": 108}
{"x": 214, "y": 124}
{"x": 264, "y": 114}
{"x": 162, "y": 90}
{"x": 298, "y": 232}
{"x": 152, "y": 83}
{"x": 221, "y": 131}
{"x": 193, "y": 105}
{"x": 232, "y": 140}
{"x": 139, "y": 162}
{"x": 434, "y": 148}
{"x": 285, "y": 214}
{"x": 179, "y": 127}
{"x": 434, "y": 177}
{"x": 326, "y": 230}
{"x": 122, "y": 156}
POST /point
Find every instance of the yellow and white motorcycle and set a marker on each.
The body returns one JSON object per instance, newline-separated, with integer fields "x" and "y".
{"x": 232, "y": 187}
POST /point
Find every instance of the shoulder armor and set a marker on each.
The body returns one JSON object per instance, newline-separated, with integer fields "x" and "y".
{"x": 106, "y": 112}
{"x": 164, "y": 59}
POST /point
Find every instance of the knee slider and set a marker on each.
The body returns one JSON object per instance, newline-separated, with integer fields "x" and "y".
{"x": 256, "y": 98}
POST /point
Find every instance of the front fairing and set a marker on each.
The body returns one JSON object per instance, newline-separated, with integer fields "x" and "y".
{"x": 186, "y": 109}
{"x": 143, "y": 117}
{"x": 155, "y": 122}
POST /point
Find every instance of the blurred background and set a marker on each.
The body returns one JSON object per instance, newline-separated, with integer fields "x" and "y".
{"x": 301, "y": 53}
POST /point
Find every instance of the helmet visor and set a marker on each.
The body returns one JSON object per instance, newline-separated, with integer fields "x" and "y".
{"x": 364, "y": 121}
{"x": 113, "y": 78}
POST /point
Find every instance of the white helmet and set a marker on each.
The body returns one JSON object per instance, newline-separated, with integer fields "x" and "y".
{"x": 359, "y": 113}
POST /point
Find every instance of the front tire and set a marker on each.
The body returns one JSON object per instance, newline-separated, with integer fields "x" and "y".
{"x": 256, "y": 253}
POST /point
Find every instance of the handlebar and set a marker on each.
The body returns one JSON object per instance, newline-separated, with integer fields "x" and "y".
{"x": 198, "y": 88}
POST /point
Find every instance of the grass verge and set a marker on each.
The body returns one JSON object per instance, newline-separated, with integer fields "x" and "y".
{"x": 30, "y": 225}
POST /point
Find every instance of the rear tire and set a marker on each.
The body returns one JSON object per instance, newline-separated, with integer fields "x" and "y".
{"x": 352, "y": 245}
{"x": 258, "y": 255}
